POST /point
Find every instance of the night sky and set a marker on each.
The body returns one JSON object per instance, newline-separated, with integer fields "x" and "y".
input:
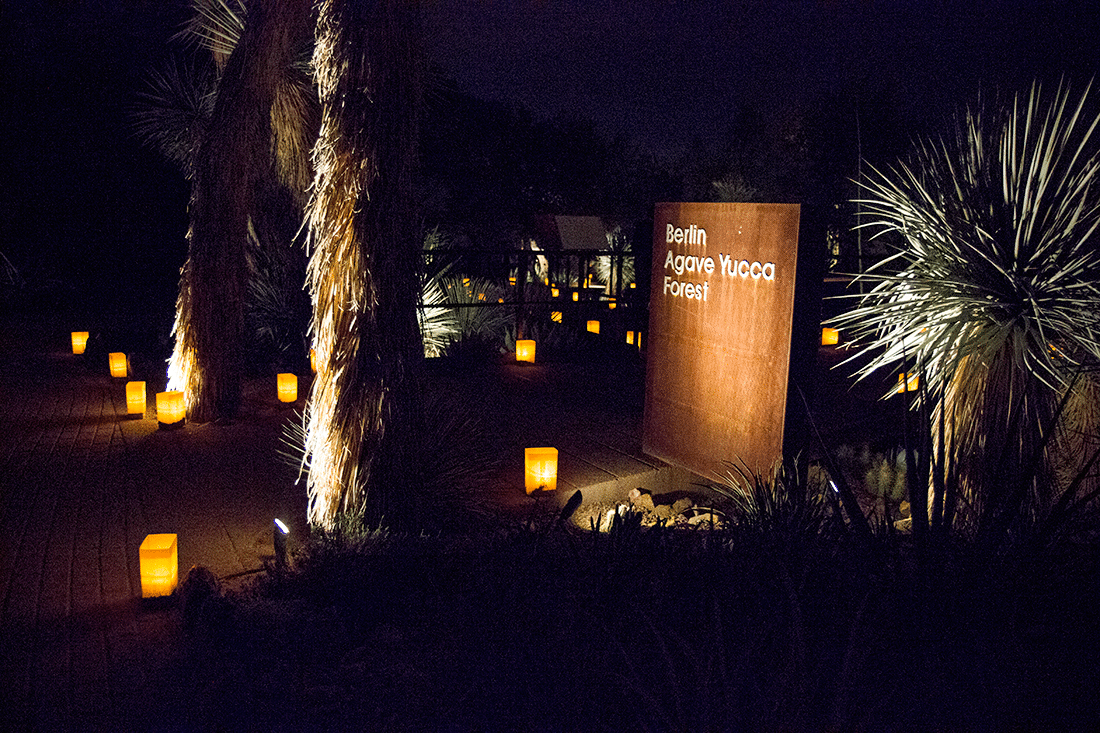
{"x": 81, "y": 192}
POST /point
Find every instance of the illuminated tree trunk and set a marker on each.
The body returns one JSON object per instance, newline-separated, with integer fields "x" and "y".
{"x": 233, "y": 163}
{"x": 364, "y": 421}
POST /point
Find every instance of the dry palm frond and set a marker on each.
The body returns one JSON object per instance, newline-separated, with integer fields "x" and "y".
{"x": 295, "y": 119}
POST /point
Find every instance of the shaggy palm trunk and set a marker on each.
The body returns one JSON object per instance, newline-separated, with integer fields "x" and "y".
{"x": 364, "y": 423}
{"x": 233, "y": 162}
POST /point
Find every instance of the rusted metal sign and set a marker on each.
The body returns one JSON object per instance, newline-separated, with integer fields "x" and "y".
{"x": 718, "y": 353}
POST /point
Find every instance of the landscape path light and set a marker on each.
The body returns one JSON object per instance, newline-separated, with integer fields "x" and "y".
{"x": 116, "y": 361}
{"x": 158, "y": 559}
{"x": 135, "y": 398}
{"x": 594, "y": 326}
{"x": 80, "y": 341}
{"x": 525, "y": 350}
{"x": 170, "y": 409}
{"x": 830, "y": 336}
{"x": 280, "y": 534}
{"x": 909, "y": 385}
{"x": 540, "y": 469}
{"x": 288, "y": 387}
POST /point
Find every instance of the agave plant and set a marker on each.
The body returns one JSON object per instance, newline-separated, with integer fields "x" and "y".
{"x": 993, "y": 291}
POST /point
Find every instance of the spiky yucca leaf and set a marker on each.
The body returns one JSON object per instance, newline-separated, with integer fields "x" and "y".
{"x": 997, "y": 253}
{"x": 216, "y": 25}
{"x": 174, "y": 112}
{"x": 438, "y": 326}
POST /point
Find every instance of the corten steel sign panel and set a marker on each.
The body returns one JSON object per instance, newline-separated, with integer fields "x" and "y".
{"x": 718, "y": 351}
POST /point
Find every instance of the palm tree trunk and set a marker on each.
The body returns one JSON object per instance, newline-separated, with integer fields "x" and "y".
{"x": 364, "y": 423}
{"x": 234, "y": 160}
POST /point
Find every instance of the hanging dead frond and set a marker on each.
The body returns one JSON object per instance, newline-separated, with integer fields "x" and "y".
{"x": 363, "y": 428}
{"x": 233, "y": 162}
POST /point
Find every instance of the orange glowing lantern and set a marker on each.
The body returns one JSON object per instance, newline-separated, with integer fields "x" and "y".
{"x": 554, "y": 292}
{"x": 611, "y": 304}
{"x": 116, "y": 360}
{"x": 170, "y": 408}
{"x": 593, "y": 326}
{"x": 512, "y": 280}
{"x": 540, "y": 469}
{"x": 830, "y": 337}
{"x": 910, "y": 385}
{"x": 80, "y": 341}
{"x": 555, "y": 316}
{"x": 159, "y": 562}
{"x": 630, "y": 337}
{"x": 135, "y": 398}
{"x": 576, "y": 296}
{"x": 288, "y": 387}
{"x": 525, "y": 350}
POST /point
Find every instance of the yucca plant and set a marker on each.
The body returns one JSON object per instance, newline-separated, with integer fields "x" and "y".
{"x": 616, "y": 270}
{"x": 993, "y": 292}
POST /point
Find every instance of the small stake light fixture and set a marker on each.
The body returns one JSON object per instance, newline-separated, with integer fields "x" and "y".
{"x": 554, "y": 292}
{"x": 159, "y": 561}
{"x": 540, "y": 469}
{"x": 909, "y": 385}
{"x": 576, "y": 296}
{"x": 630, "y": 337}
{"x": 135, "y": 398}
{"x": 288, "y": 387}
{"x": 525, "y": 350}
{"x": 280, "y": 532}
{"x": 830, "y": 336}
{"x": 593, "y": 326}
{"x": 611, "y": 304}
{"x": 555, "y": 316}
{"x": 80, "y": 341}
{"x": 170, "y": 409}
{"x": 116, "y": 360}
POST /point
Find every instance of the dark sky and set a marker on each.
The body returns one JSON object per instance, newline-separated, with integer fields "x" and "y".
{"x": 666, "y": 72}
{"x": 78, "y": 188}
